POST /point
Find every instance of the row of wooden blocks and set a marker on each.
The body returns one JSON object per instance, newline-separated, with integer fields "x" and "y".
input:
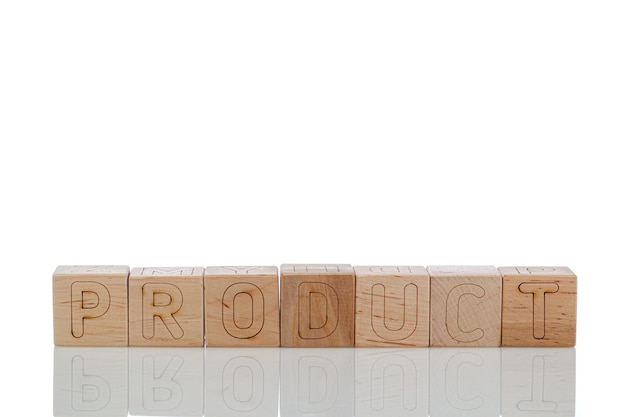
{"x": 320, "y": 306}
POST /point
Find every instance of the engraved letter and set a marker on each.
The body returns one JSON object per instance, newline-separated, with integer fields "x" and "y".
{"x": 243, "y": 310}
{"x": 90, "y": 300}
{"x": 453, "y": 314}
{"x": 539, "y": 291}
{"x": 161, "y": 301}
{"x": 318, "y": 307}
{"x": 383, "y": 325}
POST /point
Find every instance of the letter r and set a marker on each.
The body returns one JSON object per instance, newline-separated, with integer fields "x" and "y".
{"x": 161, "y": 301}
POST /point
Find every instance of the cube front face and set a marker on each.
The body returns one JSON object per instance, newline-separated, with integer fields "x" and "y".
{"x": 539, "y": 306}
{"x": 90, "y": 305}
{"x": 465, "y": 306}
{"x": 241, "y": 306}
{"x": 392, "y": 306}
{"x": 166, "y": 307}
{"x": 317, "y": 305}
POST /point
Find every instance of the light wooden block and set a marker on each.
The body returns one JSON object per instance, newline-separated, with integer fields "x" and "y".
{"x": 392, "y": 306}
{"x": 317, "y": 305}
{"x": 90, "y": 305}
{"x": 241, "y": 306}
{"x": 539, "y": 306}
{"x": 166, "y": 307}
{"x": 465, "y": 306}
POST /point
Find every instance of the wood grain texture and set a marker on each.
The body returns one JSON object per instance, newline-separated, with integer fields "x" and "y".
{"x": 166, "y": 307}
{"x": 465, "y": 306}
{"x": 90, "y": 305}
{"x": 317, "y": 305}
{"x": 241, "y": 306}
{"x": 392, "y": 306}
{"x": 539, "y": 306}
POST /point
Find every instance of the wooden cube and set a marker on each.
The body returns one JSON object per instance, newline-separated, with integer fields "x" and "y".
{"x": 241, "y": 306}
{"x": 392, "y": 306}
{"x": 539, "y": 306}
{"x": 90, "y": 305}
{"x": 465, "y": 306}
{"x": 317, "y": 305}
{"x": 165, "y": 307}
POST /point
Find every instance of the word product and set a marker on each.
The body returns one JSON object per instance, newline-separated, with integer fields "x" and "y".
{"x": 330, "y": 305}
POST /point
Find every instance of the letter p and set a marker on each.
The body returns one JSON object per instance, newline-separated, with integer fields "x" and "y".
{"x": 90, "y": 300}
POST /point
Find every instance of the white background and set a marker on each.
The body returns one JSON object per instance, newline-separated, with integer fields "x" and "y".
{"x": 206, "y": 133}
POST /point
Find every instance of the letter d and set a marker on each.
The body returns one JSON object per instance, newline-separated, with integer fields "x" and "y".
{"x": 318, "y": 307}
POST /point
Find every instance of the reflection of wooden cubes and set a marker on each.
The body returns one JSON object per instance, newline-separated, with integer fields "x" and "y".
{"x": 90, "y": 305}
{"x": 165, "y": 307}
{"x": 538, "y": 382}
{"x": 317, "y": 382}
{"x": 166, "y": 381}
{"x": 241, "y": 382}
{"x": 391, "y": 382}
{"x": 464, "y": 382}
{"x": 241, "y": 306}
{"x": 392, "y": 306}
{"x": 90, "y": 382}
{"x": 317, "y": 305}
{"x": 539, "y": 306}
{"x": 465, "y": 305}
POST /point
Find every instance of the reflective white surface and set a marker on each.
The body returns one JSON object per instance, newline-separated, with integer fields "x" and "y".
{"x": 328, "y": 382}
